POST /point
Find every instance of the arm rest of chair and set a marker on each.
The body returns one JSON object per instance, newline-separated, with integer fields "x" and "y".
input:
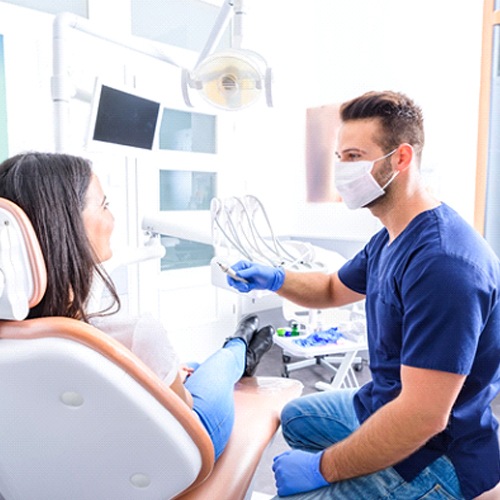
{"x": 258, "y": 401}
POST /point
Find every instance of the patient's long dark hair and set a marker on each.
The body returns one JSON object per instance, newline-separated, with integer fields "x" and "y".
{"x": 51, "y": 189}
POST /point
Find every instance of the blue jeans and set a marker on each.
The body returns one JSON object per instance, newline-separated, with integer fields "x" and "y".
{"x": 212, "y": 388}
{"x": 316, "y": 421}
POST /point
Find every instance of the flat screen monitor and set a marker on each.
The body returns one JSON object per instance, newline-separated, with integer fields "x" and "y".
{"x": 123, "y": 117}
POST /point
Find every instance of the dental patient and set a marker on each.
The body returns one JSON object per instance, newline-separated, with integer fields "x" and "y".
{"x": 65, "y": 202}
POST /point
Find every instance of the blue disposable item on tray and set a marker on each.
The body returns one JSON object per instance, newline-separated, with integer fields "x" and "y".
{"x": 331, "y": 336}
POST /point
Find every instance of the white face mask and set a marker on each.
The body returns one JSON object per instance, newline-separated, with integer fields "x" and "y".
{"x": 356, "y": 184}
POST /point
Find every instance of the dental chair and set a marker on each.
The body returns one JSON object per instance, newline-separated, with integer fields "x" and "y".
{"x": 82, "y": 417}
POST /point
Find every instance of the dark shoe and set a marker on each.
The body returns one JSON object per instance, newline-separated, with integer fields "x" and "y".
{"x": 260, "y": 344}
{"x": 246, "y": 329}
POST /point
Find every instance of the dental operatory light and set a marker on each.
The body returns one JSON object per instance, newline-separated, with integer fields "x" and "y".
{"x": 228, "y": 79}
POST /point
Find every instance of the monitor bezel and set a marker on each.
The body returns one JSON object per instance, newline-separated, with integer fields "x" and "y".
{"x": 93, "y": 144}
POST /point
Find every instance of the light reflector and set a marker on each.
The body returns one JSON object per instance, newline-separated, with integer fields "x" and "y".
{"x": 231, "y": 80}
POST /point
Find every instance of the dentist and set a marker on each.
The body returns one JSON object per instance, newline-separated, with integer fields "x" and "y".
{"x": 423, "y": 426}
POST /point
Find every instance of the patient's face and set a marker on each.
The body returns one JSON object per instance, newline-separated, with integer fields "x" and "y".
{"x": 98, "y": 220}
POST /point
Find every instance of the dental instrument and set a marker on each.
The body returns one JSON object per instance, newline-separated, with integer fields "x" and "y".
{"x": 228, "y": 270}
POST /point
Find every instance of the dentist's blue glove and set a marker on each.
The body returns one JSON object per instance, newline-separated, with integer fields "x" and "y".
{"x": 297, "y": 471}
{"x": 258, "y": 277}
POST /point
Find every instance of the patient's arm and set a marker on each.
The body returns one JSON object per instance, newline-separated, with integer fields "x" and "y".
{"x": 178, "y": 387}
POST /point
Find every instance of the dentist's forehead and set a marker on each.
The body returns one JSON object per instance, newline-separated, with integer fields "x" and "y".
{"x": 358, "y": 136}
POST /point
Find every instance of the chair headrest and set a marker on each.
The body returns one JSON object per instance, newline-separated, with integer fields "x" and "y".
{"x": 23, "y": 275}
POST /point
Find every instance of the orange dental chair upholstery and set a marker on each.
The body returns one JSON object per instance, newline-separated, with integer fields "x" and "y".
{"x": 82, "y": 417}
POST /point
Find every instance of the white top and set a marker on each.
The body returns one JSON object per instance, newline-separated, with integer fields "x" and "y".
{"x": 146, "y": 338}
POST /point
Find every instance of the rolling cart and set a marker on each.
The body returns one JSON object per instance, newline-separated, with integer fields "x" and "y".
{"x": 341, "y": 358}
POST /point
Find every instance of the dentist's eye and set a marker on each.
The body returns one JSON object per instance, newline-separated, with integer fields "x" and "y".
{"x": 353, "y": 157}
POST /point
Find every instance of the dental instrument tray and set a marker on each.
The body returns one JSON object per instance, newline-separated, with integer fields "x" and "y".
{"x": 336, "y": 349}
{"x": 323, "y": 343}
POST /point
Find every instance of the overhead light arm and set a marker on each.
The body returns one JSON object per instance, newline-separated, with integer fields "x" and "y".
{"x": 237, "y": 32}
{"x": 233, "y": 86}
{"x": 218, "y": 28}
{"x": 228, "y": 79}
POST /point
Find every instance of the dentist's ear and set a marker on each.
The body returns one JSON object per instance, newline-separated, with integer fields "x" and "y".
{"x": 404, "y": 156}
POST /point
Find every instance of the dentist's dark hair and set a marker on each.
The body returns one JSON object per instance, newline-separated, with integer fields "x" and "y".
{"x": 400, "y": 118}
{"x": 51, "y": 189}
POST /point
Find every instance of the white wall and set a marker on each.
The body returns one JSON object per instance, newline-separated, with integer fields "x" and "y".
{"x": 130, "y": 178}
{"x": 326, "y": 51}
{"x": 322, "y": 51}
{"x": 28, "y": 65}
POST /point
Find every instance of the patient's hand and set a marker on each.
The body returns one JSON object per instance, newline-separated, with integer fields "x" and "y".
{"x": 184, "y": 372}
{"x": 178, "y": 387}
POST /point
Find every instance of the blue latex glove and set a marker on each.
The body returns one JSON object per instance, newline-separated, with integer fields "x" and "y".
{"x": 297, "y": 471}
{"x": 259, "y": 277}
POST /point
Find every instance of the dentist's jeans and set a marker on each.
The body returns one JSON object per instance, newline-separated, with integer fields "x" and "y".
{"x": 316, "y": 421}
{"x": 212, "y": 387}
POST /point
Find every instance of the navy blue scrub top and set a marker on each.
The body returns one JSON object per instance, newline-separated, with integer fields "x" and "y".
{"x": 432, "y": 302}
